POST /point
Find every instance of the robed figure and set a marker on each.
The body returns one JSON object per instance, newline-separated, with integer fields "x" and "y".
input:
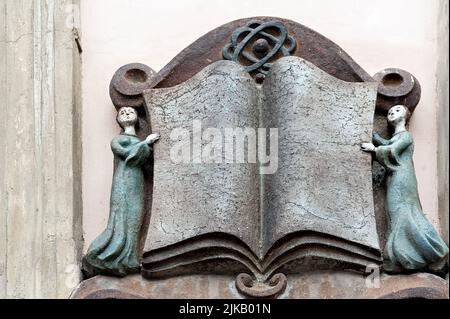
{"x": 412, "y": 242}
{"x": 116, "y": 250}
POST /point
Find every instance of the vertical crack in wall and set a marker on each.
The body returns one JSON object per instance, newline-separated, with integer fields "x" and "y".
{"x": 39, "y": 167}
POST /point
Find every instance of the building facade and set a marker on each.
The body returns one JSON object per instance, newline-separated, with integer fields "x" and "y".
{"x": 57, "y": 58}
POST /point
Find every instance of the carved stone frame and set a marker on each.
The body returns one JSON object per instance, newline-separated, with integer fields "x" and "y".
{"x": 395, "y": 87}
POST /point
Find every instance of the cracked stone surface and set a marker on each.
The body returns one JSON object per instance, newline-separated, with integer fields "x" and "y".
{"x": 196, "y": 198}
{"x": 323, "y": 183}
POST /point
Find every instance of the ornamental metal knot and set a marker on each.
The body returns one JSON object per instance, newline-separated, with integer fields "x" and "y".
{"x": 257, "y": 45}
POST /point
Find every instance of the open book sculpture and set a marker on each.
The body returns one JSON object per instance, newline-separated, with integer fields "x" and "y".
{"x": 314, "y": 203}
{"x": 258, "y": 175}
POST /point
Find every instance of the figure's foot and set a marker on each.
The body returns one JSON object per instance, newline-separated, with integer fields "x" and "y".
{"x": 439, "y": 268}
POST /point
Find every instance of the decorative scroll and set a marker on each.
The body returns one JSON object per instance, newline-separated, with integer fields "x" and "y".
{"x": 128, "y": 83}
{"x": 397, "y": 86}
{"x": 257, "y": 45}
{"x": 271, "y": 288}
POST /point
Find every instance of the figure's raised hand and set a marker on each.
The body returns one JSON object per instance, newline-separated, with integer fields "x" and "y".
{"x": 368, "y": 147}
{"x": 152, "y": 138}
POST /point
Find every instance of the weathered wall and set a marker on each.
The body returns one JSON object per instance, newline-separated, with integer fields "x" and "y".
{"x": 40, "y": 199}
{"x": 377, "y": 34}
{"x": 442, "y": 86}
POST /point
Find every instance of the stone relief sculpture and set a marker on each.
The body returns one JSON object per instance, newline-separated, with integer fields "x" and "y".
{"x": 308, "y": 223}
{"x": 116, "y": 250}
{"x": 412, "y": 242}
{"x": 262, "y": 220}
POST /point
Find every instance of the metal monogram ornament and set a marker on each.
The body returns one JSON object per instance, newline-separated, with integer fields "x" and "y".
{"x": 257, "y": 45}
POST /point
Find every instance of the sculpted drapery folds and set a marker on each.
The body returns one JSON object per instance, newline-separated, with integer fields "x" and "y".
{"x": 412, "y": 243}
{"x": 116, "y": 250}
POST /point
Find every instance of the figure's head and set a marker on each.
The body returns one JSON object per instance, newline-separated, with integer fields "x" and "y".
{"x": 127, "y": 116}
{"x": 397, "y": 114}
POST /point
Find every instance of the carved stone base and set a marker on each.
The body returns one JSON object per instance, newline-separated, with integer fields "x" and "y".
{"x": 312, "y": 285}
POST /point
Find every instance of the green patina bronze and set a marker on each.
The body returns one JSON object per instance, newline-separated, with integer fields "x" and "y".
{"x": 116, "y": 250}
{"x": 412, "y": 243}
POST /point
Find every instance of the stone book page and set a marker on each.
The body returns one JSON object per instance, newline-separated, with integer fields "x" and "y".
{"x": 320, "y": 193}
{"x": 193, "y": 198}
{"x": 324, "y": 181}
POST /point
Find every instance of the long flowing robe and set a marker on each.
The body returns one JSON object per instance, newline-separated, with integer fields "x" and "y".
{"x": 412, "y": 242}
{"x": 116, "y": 250}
